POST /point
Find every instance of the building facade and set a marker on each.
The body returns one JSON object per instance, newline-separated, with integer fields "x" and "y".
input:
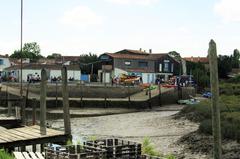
{"x": 149, "y": 66}
{"x": 73, "y": 71}
{"x": 4, "y": 62}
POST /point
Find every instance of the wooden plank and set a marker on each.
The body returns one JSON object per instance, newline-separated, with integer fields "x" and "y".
{"x": 28, "y": 131}
{"x": 40, "y": 156}
{"x": 7, "y": 133}
{"x": 7, "y": 137}
{"x": 33, "y": 155}
{"x": 18, "y": 155}
{"x": 49, "y": 132}
{"x": 23, "y": 134}
{"x": 2, "y": 140}
{"x": 57, "y": 132}
{"x": 25, "y": 154}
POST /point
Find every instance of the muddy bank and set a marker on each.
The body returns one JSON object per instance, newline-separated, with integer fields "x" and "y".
{"x": 158, "y": 125}
{"x": 197, "y": 142}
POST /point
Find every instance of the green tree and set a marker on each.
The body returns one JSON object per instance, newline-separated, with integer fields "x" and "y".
{"x": 88, "y": 63}
{"x": 199, "y": 72}
{"x": 224, "y": 65}
{"x": 54, "y": 56}
{"x": 175, "y": 55}
{"x": 235, "y": 59}
{"x": 30, "y": 50}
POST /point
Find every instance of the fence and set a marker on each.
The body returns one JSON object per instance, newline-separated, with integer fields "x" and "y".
{"x": 118, "y": 149}
{"x": 75, "y": 152}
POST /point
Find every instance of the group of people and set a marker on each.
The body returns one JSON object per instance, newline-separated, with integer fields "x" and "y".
{"x": 33, "y": 78}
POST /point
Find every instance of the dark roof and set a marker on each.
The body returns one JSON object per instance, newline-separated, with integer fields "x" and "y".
{"x": 127, "y": 56}
{"x": 129, "y": 51}
{"x": 197, "y": 59}
{"x": 3, "y": 56}
{"x": 68, "y": 58}
{"x": 41, "y": 66}
{"x": 153, "y": 56}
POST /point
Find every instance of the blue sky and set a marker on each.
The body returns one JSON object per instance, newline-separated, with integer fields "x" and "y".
{"x": 74, "y": 27}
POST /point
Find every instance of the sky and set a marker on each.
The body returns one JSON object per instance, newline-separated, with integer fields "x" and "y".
{"x": 75, "y": 27}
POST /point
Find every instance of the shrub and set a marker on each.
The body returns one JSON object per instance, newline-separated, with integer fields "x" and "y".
{"x": 5, "y": 155}
{"x": 148, "y": 148}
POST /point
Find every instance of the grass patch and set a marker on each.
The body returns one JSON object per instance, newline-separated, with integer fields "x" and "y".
{"x": 230, "y": 116}
{"x": 5, "y": 155}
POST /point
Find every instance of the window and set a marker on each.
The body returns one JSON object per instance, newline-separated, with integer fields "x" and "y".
{"x": 160, "y": 67}
{"x": 127, "y": 63}
{"x": 143, "y": 64}
{"x": 166, "y": 67}
{"x": 172, "y": 67}
{"x": 1, "y": 61}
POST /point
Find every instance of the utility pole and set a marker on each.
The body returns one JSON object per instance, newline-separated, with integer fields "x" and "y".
{"x": 21, "y": 51}
{"x": 216, "y": 122}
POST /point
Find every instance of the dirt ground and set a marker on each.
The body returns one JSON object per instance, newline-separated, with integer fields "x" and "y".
{"x": 158, "y": 125}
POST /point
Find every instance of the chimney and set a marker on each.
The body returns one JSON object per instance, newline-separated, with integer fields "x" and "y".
{"x": 150, "y": 51}
{"x": 144, "y": 51}
{"x": 140, "y": 49}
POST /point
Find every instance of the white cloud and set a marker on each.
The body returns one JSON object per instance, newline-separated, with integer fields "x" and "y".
{"x": 137, "y": 2}
{"x": 228, "y": 10}
{"x": 81, "y": 16}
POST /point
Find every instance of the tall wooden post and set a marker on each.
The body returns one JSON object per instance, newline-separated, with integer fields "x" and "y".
{"x": 150, "y": 97}
{"x": 67, "y": 124}
{"x": 34, "y": 111}
{"x": 216, "y": 123}
{"x": 159, "y": 94}
{"x": 56, "y": 94}
{"x": 129, "y": 97}
{"x": 9, "y": 103}
{"x": 43, "y": 93}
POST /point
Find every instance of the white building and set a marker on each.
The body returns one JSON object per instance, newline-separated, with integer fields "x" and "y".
{"x": 4, "y": 62}
{"x": 35, "y": 70}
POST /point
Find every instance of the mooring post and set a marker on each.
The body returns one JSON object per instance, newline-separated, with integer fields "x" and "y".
{"x": 9, "y": 102}
{"x": 56, "y": 94}
{"x": 81, "y": 90}
{"x": 43, "y": 93}
{"x": 24, "y": 105}
{"x": 34, "y": 105}
{"x": 65, "y": 96}
{"x": 159, "y": 94}
{"x": 129, "y": 97}
{"x": 216, "y": 122}
{"x": 150, "y": 97}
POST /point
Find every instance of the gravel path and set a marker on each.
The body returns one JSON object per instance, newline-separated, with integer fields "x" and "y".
{"x": 159, "y": 126}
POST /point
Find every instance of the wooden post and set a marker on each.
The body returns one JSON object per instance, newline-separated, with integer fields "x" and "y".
{"x": 24, "y": 105}
{"x": 43, "y": 93}
{"x": 150, "y": 97}
{"x": 34, "y": 148}
{"x": 159, "y": 94}
{"x": 81, "y": 90}
{"x": 22, "y": 111}
{"x": 129, "y": 98}
{"x": 34, "y": 111}
{"x": 56, "y": 94}
{"x": 67, "y": 124}
{"x": 216, "y": 123}
{"x": 9, "y": 102}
